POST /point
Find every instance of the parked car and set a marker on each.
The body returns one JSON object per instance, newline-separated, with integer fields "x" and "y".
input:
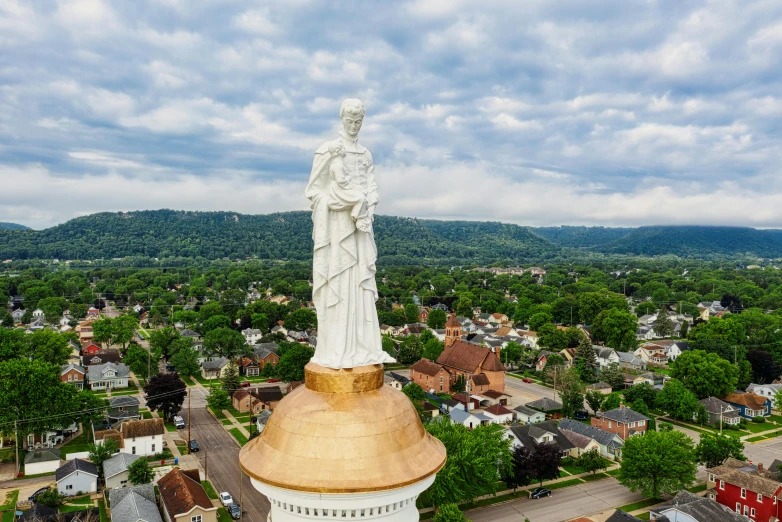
{"x": 234, "y": 511}
{"x": 179, "y": 422}
{"x": 273, "y": 380}
{"x": 581, "y": 415}
{"x": 540, "y": 492}
{"x": 527, "y": 380}
{"x": 245, "y": 384}
{"x": 226, "y": 498}
{"x": 37, "y": 493}
{"x": 194, "y": 446}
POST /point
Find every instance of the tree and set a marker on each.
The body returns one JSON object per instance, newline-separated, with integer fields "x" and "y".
{"x": 591, "y": 461}
{"x": 612, "y": 375}
{"x": 521, "y": 472}
{"x": 611, "y": 402}
{"x": 218, "y": 399}
{"x": 230, "y": 377}
{"x": 411, "y": 313}
{"x": 123, "y": 328}
{"x": 676, "y": 400}
{"x": 459, "y": 384}
{"x": 49, "y": 346}
{"x": 658, "y": 463}
{"x": 8, "y": 321}
{"x": 545, "y": 462}
{"x": 103, "y": 331}
{"x": 511, "y": 353}
{"x": 551, "y": 337}
{"x": 595, "y": 399}
{"x": 719, "y": 335}
{"x": 539, "y": 319}
{"x": 410, "y": 350}
{"x": 705, "y": 374}
{"x": 645, "y": 308}
{"x": 642, "y": 391}
{"x": 586, "y": 360}
{"x": 140, "y": 361}
{"x": 714, "y": 449}
{"x": 663, "y": 326}
{"x": 185, "y": 360}
{"x": 684, "y": 330}
{"x": 51, "y": 498}
{"x": 292, "y": 363}
{"x": 260, "y": 321}
{"x": 617, "y": 328}
{"x": 225, "y": 342}
{"x": 432, "y": 349}
{"x": 165, "y": 392}
{"x": 301, "y": 319}
{"x": 764, "y": 367}
{"x": 388, "y": 346}
{"x": 269, "y": 371}
{"x": 101, "y": 452}
{"x": 477, "y": 460}
{"x": 215, "y": 322}
{"x": 555, "y": 365}
{"x": 778, "y": 400}
{"x": 436, "y": 319}
{"x": 139, "y": 472}
{"x": 414, "y": 392}
{"x": 449, "y": 513}
{"x": 463, "y": 308}
{"x": 571, "y": 392}
{"x": 160, "y": 340}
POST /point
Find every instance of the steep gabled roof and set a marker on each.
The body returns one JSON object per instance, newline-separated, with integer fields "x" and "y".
{"x": 119, "y": 463}
{"x": 73, "y": 466}
{"x": 623, "y": 414}
{"x": 750, "y": 400}
{"x": 469, "y": 357}
{"x": 134, "y": 504}
{"x": 427, "y": 367}
{"x": 267, "y": 394}
{"x": 142, "y": 428}
{"x": 603, "y": 437}
{"x": 181, "y": 491}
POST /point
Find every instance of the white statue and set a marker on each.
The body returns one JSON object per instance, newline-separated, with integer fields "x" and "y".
{"x": 344, "y": 195}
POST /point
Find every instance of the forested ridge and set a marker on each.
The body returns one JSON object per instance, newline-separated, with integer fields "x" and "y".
{"x": 12, "y": 226}
{"x": 287, "y": 236}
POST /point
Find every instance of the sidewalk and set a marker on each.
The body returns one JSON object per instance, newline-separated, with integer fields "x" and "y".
{"x": 236, "y": 423}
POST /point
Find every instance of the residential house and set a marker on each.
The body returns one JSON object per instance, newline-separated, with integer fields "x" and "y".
{"x": 430, "y": 376}
{"x": 115, "y": 470}
{"x": 261, "y": 419}
{"x": 77, "y": 476}
{"x": 689, "y": 507}
{"x": 101, "y": 357}
{"x": 581, "y": 443}
{"x": 492, "y": 397}
{"x": 122, "y": 408}
{"x": 423, "y": 315}
{"x": 749, "y": 405}
{"x": 601, "y": 387}
{"x": 248, "y": 367}
{"x": 17, "y": 315}
{"x": 184, "y": 499}
{"x": 45, "y": 460}
{"x": 108, "y": 376}
{"x": 622, "y": 421}
{"x": 765, "y": 390}
{"x": 134, "y": 504}
{"x": 469, "y": 419}
{"x": 612, "y": 515}
{"x": 143, "y": 437}
{"x": 93, "y": 313}
{"x": 73, "y": 374}
{"x": 609, "y": 444}
{"x": 84, "y": 329}
{"x": 469, "y": 402}
{"x": 545, "y": 405}
{"x": 525, "y": 415}
{"x": 569, "y": 354}
{"x": 498, "y": 318}
{"x": 36, "y": 324}
{"x": 389, "y": 330}
{"x": 542, "y": 360}
{"x": 746, "y": 488}
{"x": 652, "y": 353}
{"x": 91, "y": 349}
{"x": 101, "y": 436}
{"x": 252, "y": 336}
{"x": 630, "y": 361}
{"x": 266, "y": 353}
{"x": 395, "y": 380}
{"x": 243, "y": 401}
{"x": 529, "y": 338}
{"x": 280, "y": 329}
{"x": 720, "y": 411}
{"x": 38, "y": 313}
{"x": 711, "y": 309}
{"x": 213, "y": 369}
{"x": 652, "y": 379}
{"x": 267, "y": 397}
{"x": 499, "y": 414}
{"x": 531, "y": 436}
{"x": 605, "y": 356}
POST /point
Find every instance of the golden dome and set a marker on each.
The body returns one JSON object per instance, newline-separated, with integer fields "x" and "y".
{"x": 343, "y": 432}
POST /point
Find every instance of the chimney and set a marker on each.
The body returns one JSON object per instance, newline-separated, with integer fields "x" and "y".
{"x": 760, "y": 467}
{"x": 621, "y": 405}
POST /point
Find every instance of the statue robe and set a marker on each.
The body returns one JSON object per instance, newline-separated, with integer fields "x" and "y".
{"x": 343, "y": 265}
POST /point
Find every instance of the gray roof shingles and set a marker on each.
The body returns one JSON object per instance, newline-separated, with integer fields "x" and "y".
{"x": 118, "y": 463}
{"x": 75, "y": 465}
{"x": 134, "y": 504}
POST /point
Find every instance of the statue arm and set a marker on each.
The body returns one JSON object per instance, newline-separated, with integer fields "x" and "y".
{"x": 373, "y": 198}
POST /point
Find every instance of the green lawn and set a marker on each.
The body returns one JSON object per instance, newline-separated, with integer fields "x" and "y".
{"x": 563, "y": 484}
{"x": 35, "y": 476}
{"x": 697, "y": 489}
{"x": 170, "y": 427}
{"x": 7, "y": 455}
{"x": 238, "y": 435}
{"x": 11, "y": 497}
{"x": 76, "y": 444}
{"x": 223, "y": 516}
{"x": 640, "y": 504}
{"x": 596, "y": 476}
{"x": 218, "y": 414}
{"x": 233, "y": 411}
{"x": 226, "y": 422}
{"x": 644, "y": 516}
{"x": 67, "y": 508}
{"x": 210, "y": 490}
{"x": 574, "y": 469}
{"x": 8, "y": 516}
{"x": 82, "y": 501}
{"x": 613, "y": 472}
{"x": 146, "y": 414}
{"x": 102, "y": 508}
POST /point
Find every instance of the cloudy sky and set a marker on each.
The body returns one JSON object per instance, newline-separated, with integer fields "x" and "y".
{"x": 535, "y": 112}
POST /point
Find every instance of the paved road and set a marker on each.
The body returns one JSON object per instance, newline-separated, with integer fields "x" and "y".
{"x": 221, "y": 453}
{"x": 564, "y": 504}
{"x": 764, "y": 452}
{"x": 534, "y": 391}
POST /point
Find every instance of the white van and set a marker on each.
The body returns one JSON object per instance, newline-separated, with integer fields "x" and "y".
{"x": 179, "y": 422}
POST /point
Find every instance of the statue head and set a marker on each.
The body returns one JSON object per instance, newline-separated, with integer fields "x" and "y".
{"x": 352, "y": 115}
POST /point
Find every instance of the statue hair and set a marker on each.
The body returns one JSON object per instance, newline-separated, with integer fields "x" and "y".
{"x": 351, "y": 106}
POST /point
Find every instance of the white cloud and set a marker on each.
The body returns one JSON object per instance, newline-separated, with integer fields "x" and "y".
{"x": 508, "y": 122}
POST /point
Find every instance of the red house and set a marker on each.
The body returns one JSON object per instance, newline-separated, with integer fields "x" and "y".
{"x": 746, "y": 488}
{"x": 90, "y": 349}
{"x": 622, "y": 421}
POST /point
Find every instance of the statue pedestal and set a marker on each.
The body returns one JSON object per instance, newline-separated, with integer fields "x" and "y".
{"x": 343, "y": 446}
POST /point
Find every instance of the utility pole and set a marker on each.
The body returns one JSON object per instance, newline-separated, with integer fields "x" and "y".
{"x": 206, "y": 463}
{"x": 16, "y": 444}
{"x": 188, "y": 421}
{"x": 241, "y": 490}
{"x": 720, "y": 420}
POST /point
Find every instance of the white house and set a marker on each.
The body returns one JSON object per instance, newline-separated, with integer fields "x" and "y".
{"x": 108, "y": 375}
{"x": 143, "y": 437}
{"x": 528, "y": 416}
{"x": 469, "y": 419}
{"x": 17, "y": 315}
{"x": 765, "y": 390}
{"x": 605, "y": 356}
{"x": 498, "y": 414}
{"x": 77, "y": 476}
{"x": 252, "y": 336}
{"x": 115, "y": 469}
{"x": 38, "y": 461}
{"x": 37, "y": 313}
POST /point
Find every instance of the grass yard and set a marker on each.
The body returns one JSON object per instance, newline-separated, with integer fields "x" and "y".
{"x": 233, "y": 411}
{"x": 219, "y": 414}
{"x": 35, "y": 476}
{"x": 226, "y": 422}
{"x": 102, "y": 508}
{"x": 238, "y": 435}
{"x": 640, "y": 504}
{"x": 697, "y": 488}
{"x": 7, "y": 454}
{"x": 8, "y": 516}
{"x": 644, "y": 516}
{"x": 170, "y": 427}
{"x": 11, "y": 498}
{"x": 81, "y": 501}
{"x": 596, "y": 476}
{"x": 210, "y": 490}
{"x": 223, "y": 516}
{"x": 574, "y": 469}
{"x": 613, "y": 472}
{"x": 67, "y": 508}
{"x": 145, "y": 414}
{"x": 563, "y": 484}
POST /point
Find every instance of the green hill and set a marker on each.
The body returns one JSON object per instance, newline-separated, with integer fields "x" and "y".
{"x": 579, "y": 237}
{"x": 216, "y": 235}
{"x": 12, "y": 226}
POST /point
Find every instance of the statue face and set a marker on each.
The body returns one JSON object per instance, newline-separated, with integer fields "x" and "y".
{"x": 352, "y": 124}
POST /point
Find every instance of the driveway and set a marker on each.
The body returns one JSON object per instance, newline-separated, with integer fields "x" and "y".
{"x": 220, "y": 453}
{"x": 564, "y": 504}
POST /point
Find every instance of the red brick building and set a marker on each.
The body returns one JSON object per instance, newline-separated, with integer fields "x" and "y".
{"x": 73, "y": 374}
{"x": 622, "y": 421}
{"x": 747, "y": 489}
{"x": 430, "y": 376}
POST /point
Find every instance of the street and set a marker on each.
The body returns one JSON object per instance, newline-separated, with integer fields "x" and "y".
{"x": 564, "y": 504}
{"x": 219, "y": 456}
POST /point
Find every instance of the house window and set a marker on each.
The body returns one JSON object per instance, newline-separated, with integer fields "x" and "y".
{"x": 752, "y": 512}
{"x": 641, "y": 423}
{"x": 722, "y": 484}
{"x": 632, "y": 425}
{"x": 738, "y": 508}
{"x": 133, "y": 450}
{"x": 743, "y": 493}
{"x": 69, "y": 487}
{"x": 746, "y": 510}
{"x": 153, "y": 448}
{"x": 711, "y": 477}
{"x": 196, "y": 518}
{"x": 760, "y": 498}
